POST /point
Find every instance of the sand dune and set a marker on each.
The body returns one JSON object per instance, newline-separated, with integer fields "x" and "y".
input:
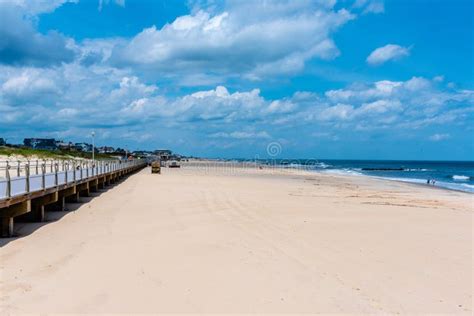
{"x": 240, "y": 240}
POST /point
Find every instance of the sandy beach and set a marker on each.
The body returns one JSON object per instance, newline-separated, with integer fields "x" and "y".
{"x": 245, "y": 240}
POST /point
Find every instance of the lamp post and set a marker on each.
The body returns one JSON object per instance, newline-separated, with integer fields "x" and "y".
{"x": 93, "y": 145}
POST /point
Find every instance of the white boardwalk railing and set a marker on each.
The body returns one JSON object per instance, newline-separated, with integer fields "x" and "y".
{"x": 23, "y": 177}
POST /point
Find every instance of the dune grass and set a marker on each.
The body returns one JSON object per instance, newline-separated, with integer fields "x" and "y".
{"x": 48, "y": 154}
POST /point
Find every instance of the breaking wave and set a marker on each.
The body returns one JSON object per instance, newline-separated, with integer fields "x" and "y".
{"x": 461, "y": 178}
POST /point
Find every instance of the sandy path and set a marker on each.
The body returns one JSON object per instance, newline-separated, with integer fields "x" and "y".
{"x": 194, "y": 241}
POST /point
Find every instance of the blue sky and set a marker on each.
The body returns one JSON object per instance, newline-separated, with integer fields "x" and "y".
{"x": 347, "y": 79}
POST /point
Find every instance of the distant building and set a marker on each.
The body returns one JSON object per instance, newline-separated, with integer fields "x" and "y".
{"x": 40, "y": 143}
{"x": 164, "y": 154}
{"x": 85, "y": 147}
{"x": 106, "y": 150}
{"x": 175, "y": 157}
{"x": 142, "y": 153}
{"x": 65, "y": 145}
{"x": 2, "y": 142}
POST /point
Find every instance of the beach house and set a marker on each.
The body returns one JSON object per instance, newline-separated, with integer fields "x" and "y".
{"x": 40, "y": 143}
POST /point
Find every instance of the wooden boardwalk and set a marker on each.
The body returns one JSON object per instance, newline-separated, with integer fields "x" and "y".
{"x": 25, "y": 196}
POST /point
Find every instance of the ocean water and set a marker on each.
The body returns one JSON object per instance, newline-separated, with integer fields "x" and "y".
{"x": 455, "y": 175}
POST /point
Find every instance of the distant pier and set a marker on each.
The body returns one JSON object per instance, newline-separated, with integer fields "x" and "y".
{"x": 27, "y": 187}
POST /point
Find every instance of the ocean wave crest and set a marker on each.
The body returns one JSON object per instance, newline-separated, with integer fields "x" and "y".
{"x": 418, "y": 169}
{"x": 461, "y": 178}
{"x": 322, "y": 165}
{"x": 344, "y": 171}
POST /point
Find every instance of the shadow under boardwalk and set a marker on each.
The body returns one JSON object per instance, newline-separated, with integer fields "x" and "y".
{"x": 52, "y": 214}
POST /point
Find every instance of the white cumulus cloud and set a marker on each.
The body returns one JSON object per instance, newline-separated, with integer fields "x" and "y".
{"x": 370, "y": 6}
{"x": 386, "y": 53}
{"x": 20, "y": 42}
{"x": 241, "y": 135}
{"x": 439, "y": 137}
{"x": 250, "y": 39}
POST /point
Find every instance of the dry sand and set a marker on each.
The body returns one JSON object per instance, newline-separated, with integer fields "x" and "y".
{"x": 218, "y": 240}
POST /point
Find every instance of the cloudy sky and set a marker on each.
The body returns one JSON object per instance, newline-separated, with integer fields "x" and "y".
{"x": 362, "y": 79}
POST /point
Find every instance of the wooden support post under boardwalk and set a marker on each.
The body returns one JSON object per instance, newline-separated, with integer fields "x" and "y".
{"x": 67, "y": 192}
{"x": 100, "y": 183}
{"x": 6, "y": 226}
{"x": 37, "y": 213}
{"x": 73, "y": 198}
{"x": 83, "y": 189}
{"x": 94, "y": 185}
{"x": 64, "y": 195}
{"x": 10, "y": 212}
{"x": 85, "y": 192}
{"x": 61, "y": 204}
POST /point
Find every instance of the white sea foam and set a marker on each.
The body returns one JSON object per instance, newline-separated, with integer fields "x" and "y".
{"x": 446, "y": 185}
{"x": 457, "y": 186}
{"x": 460, "y": 178}
{"x": 418, "y": 169}
{"x": 343, "y": 171}
{"x": 322, "y": 165}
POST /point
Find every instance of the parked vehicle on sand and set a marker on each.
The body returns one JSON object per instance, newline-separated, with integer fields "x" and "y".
{"x": 156, "y": 167}
{"x": 174, "y": 164}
